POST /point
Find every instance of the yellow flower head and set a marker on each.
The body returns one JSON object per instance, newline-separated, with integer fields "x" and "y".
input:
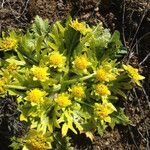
{"x": 81, "y": 27}
{"x": 102, "y": 90}
{"x": 8, "y": 43}
{"x": 78, "y": 91}
{"x": 102, "y": 75}
{"x": 36, "y": 144}
{"x": 103, "y": 110}
{"x": 133, "y": 74}
{"x": 81, "y": 63}
{"x": 106, "y": 72}
{"x": 63, "y": 100}
{"x": 3, "y": 82}
{"x": 40, "y": 73}
{"x": 57, "y": 60}
{"x": 12, "y": 67}
{"x": 35, "y": 96}
{"x": 37, "y": 141}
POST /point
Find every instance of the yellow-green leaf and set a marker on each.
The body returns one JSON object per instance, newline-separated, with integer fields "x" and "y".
{"x": 68, "y": 116}
{"x": 78, "y": 126}
{"x": 50, "y": 127}
{"x": 64, "y": 129}
{"x": 23, "y": 118}
{"x": 25, "y": 148}
{"x": 89, "y": 135}
{"x": 72, "y": 128}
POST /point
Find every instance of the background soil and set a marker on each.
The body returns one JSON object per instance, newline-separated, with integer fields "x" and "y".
{"x": 132, "y": 19}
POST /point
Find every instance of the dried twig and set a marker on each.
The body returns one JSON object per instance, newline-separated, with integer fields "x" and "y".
{"x": 132, "y": 136}
{"x": 131, "y": 46}
{"x": 25, "y": 8}
{"x": 2, "y": 5}
{"x": 146, "y": 96}
{"x": 147, "y": 56}
{"x": 142, "y": 113}
{"x": 137, "y": 30}
{"x": 141, "y": 38}
{"x": 123, "y": 24}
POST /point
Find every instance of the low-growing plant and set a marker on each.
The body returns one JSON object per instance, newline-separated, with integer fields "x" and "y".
{"x": 67, "y": 77}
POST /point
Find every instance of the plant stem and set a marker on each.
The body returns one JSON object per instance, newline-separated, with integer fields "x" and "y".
{"x": 78, "y": 79}
{"x": 81, "y": 102}
{"x": 16, "y": 87}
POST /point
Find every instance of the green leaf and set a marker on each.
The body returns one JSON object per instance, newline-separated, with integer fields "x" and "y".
{"x": 78, "y": 126}
{"x": 40, "y": 26}
{"x": 116, "y": 38}
{"x": 25, "y": 148}
{"x": 89, "y": 135}
{"x": 101, "y": 128}
{"x": 20, "y": 56}
{"x": 115, "y": 48}
{"x": 16, "y": 143}
{"x": 64, "y": 129}
{"x": 119, "y": 117}
{"x": 72, "y": 38}
{"x": 57, "y": 37}
{"x": 53, "y": 46}
{"x": 68, "y": 117}
{"x": 125, "y": 86}
{"x": 23, "y": 118}
{"x": 116, "y": 90}
{"x": 39, "y": 46}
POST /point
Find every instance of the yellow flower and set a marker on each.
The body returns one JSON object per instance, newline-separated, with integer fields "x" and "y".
{"x": 77, "y": 91}
{"x": 40, "y": 73}
{"x": 3, "y": 82}
{"x": 102, "y": 90}
{"x": 12, "y": 67}
{"x": 106, "y": 73}
{"x": 35, "y": 96}
{"x": 103, "y": 110}
{"x": 81, "y": 63}
{"x": 102, "y": 75}
{"x": 81, "y": 27}
{"x": 36, "y": 144}
{"x": 8, "y": 43}
{"x": 57, "y": 60}
{"x": 63, "y": 100}
{"x": 133, "y": 74}
{"x": 37, "y": 141}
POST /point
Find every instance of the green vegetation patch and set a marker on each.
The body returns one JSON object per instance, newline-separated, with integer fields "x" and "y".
{"x": 68, "y": 77}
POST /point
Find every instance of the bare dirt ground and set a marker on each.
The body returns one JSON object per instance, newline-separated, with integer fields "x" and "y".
{"x": 132, "y": 19}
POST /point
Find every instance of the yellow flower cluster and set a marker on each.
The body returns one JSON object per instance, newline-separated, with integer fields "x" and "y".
{"x": 103, "y": 110}
{"x": 35, "y": 96}
{"x": 63, "y": 100}
{"x": 133, "y": 73}
{"x": 2, "y": 84}
{"x": 12, "y": 67}
{"x": 102, "y": 90}
{"x": 57, "y": 60}
{"x": 36, "y": 142}
{"x": 40, "y": 73}
{"x": 78, "y": 91}
{"x": 8, "y": 43}
{"x": 105, "y": 74}
{"x": 102, "y": 75}
{"x": 81, "y": 27}
{"x": 81, "y": 63}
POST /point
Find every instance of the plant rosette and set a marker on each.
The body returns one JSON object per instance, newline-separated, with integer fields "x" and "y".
{"x": 67, "y": 77}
